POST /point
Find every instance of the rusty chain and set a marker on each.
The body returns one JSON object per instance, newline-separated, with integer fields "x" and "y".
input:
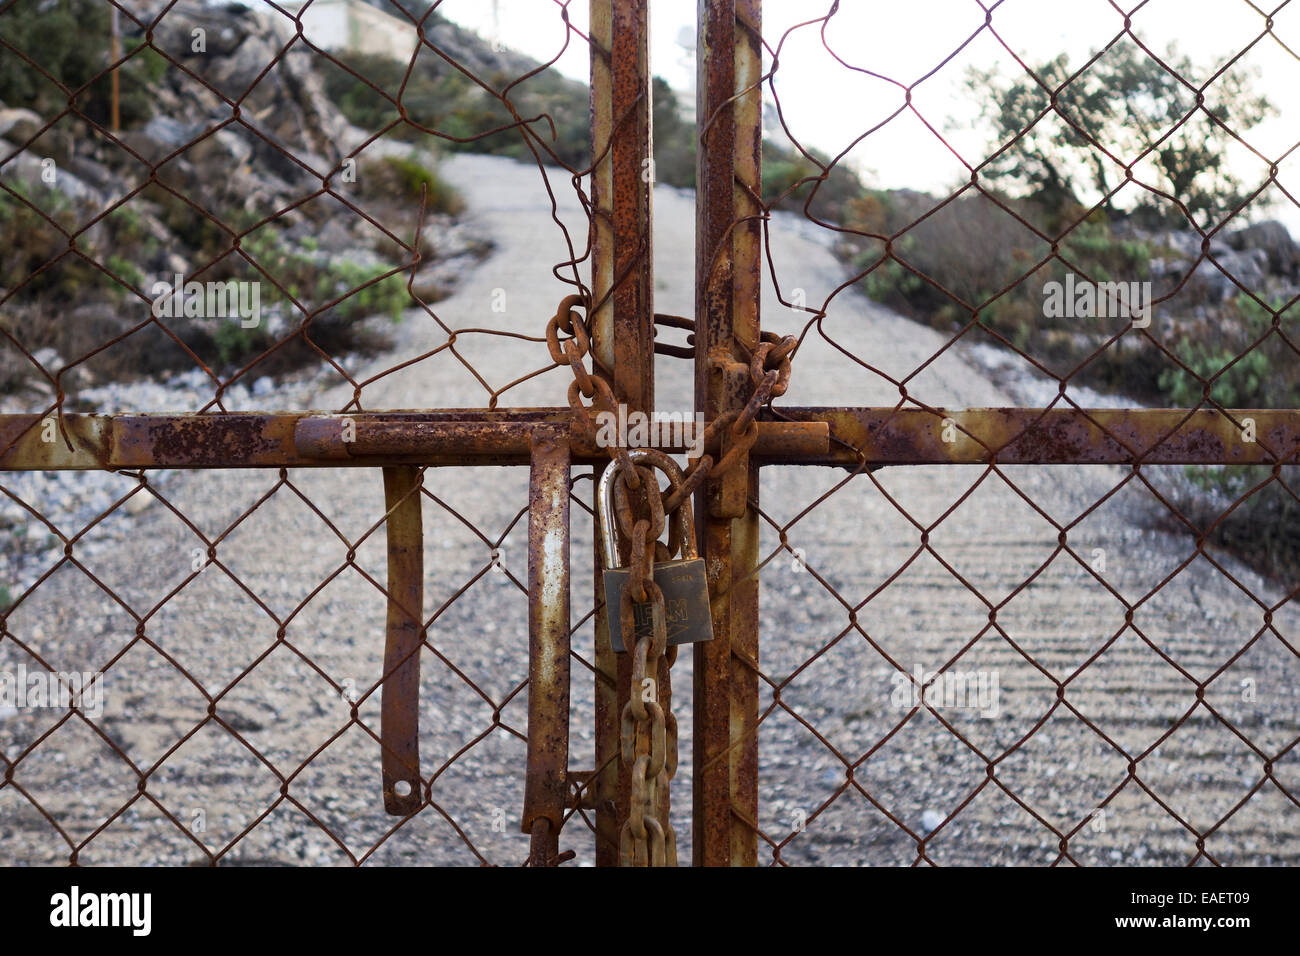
{"x": 648, "y": 731}
{"x": 769, "y": 372}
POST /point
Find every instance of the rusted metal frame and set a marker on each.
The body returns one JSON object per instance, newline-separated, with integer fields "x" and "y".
{"x": 1055, "y": 436}
{"x": 790, "y": 435}
{"x": 382, "y": 438}
{"x": 316, "y": 439}
{"x": 546, "y": 782}
{"x": 728, "y": 280}
{"x": 601, "y": 319}
{"x": 623, "y": 327}
{"x": 400, "y": 707}
{"x": 632, "y": 158}
{"x": 604, "y": 788}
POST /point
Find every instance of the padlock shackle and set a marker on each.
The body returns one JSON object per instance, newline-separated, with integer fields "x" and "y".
{"x": 605, "y": 496}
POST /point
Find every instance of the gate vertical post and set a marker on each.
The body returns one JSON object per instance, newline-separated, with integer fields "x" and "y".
{"x": 622, "y": 322}
{"x": 728, "y": 280}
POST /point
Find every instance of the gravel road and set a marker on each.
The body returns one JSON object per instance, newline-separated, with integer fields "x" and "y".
{"x": 858, "y": 791}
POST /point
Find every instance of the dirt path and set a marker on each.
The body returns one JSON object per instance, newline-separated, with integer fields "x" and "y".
{"x": 867, "y": 532}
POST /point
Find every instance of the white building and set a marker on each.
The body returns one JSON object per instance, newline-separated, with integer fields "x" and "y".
{"x": 352, "y": 26}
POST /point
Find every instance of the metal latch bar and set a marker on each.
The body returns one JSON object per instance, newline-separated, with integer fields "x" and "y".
{"x": 400, "y": 706}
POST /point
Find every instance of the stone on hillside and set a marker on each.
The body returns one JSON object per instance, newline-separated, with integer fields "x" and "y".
{"x": 160, "y": 137}
{"x": 19, "y": 125}
{"x": 1273, "y": 239}
{"x": 287, "y": 103}
{"x": 1248, "y": 268}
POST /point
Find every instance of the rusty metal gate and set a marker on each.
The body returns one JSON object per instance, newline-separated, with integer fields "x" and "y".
{"x": 602, "y": 342}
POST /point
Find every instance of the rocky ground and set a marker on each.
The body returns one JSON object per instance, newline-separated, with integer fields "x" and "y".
{"x": 247, "y": 741}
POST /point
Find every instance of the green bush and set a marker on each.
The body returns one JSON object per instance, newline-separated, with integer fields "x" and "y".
{"x": 1240, "y": 384}
{"x": 314, "y": 281}
{"x": 438, "y": 97}
{"x": 1263, "y": 529}
{"x": 126, "y": 270}
{"x": 370, "y": 295}
{"x": 324, "y": 279}
{"x": 791, "y": 181}
{"x": 674, "y": 139}
{"x": 235, "y": 344}
{"x": 463, "y": 114}
{"x": 21, "y": 263}
{"x": 1244, "y": 375}
{"x": 405, "y": 178}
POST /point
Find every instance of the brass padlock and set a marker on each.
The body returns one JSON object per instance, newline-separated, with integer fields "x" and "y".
{"x": 684, "y": 583}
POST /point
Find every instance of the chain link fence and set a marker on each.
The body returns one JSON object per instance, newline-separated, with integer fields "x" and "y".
{"x": 1008, "y": 663}
{"x": 269, "y": 219}
{"x": 217, "y": 211}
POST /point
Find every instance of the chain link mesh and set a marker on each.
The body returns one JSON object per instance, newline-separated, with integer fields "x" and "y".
{"x": 1005, "y": 663}
{"x": 234, "y": 620}
{"x": 1113, "y": 647}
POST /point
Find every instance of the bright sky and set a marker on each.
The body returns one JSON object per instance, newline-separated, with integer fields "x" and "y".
{"x": 826, "y": 104}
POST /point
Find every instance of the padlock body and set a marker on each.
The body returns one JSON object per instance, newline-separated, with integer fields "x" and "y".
{"x": 686, "y": 603}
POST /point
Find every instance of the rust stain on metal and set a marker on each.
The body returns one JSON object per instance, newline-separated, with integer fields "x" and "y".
{"x": 633, "y": 293}
{"x": 727, "y": 274}
{"x": 240, "y": 438}
{"x": 602, "y": 183}
{"x": 546, "y": 783}
{"x": 887, "y": 436}
{"x": 623, "y": 324}
{"x": 605, "y": 787}
{"x": 803, "y": 436}
{"x": 41, "y": 442}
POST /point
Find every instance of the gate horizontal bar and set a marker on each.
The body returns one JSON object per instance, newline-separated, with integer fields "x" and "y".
{"x": 1054, "y": 436}
{"x": 439, "y": 437}
{"x": 788, "y": 436}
